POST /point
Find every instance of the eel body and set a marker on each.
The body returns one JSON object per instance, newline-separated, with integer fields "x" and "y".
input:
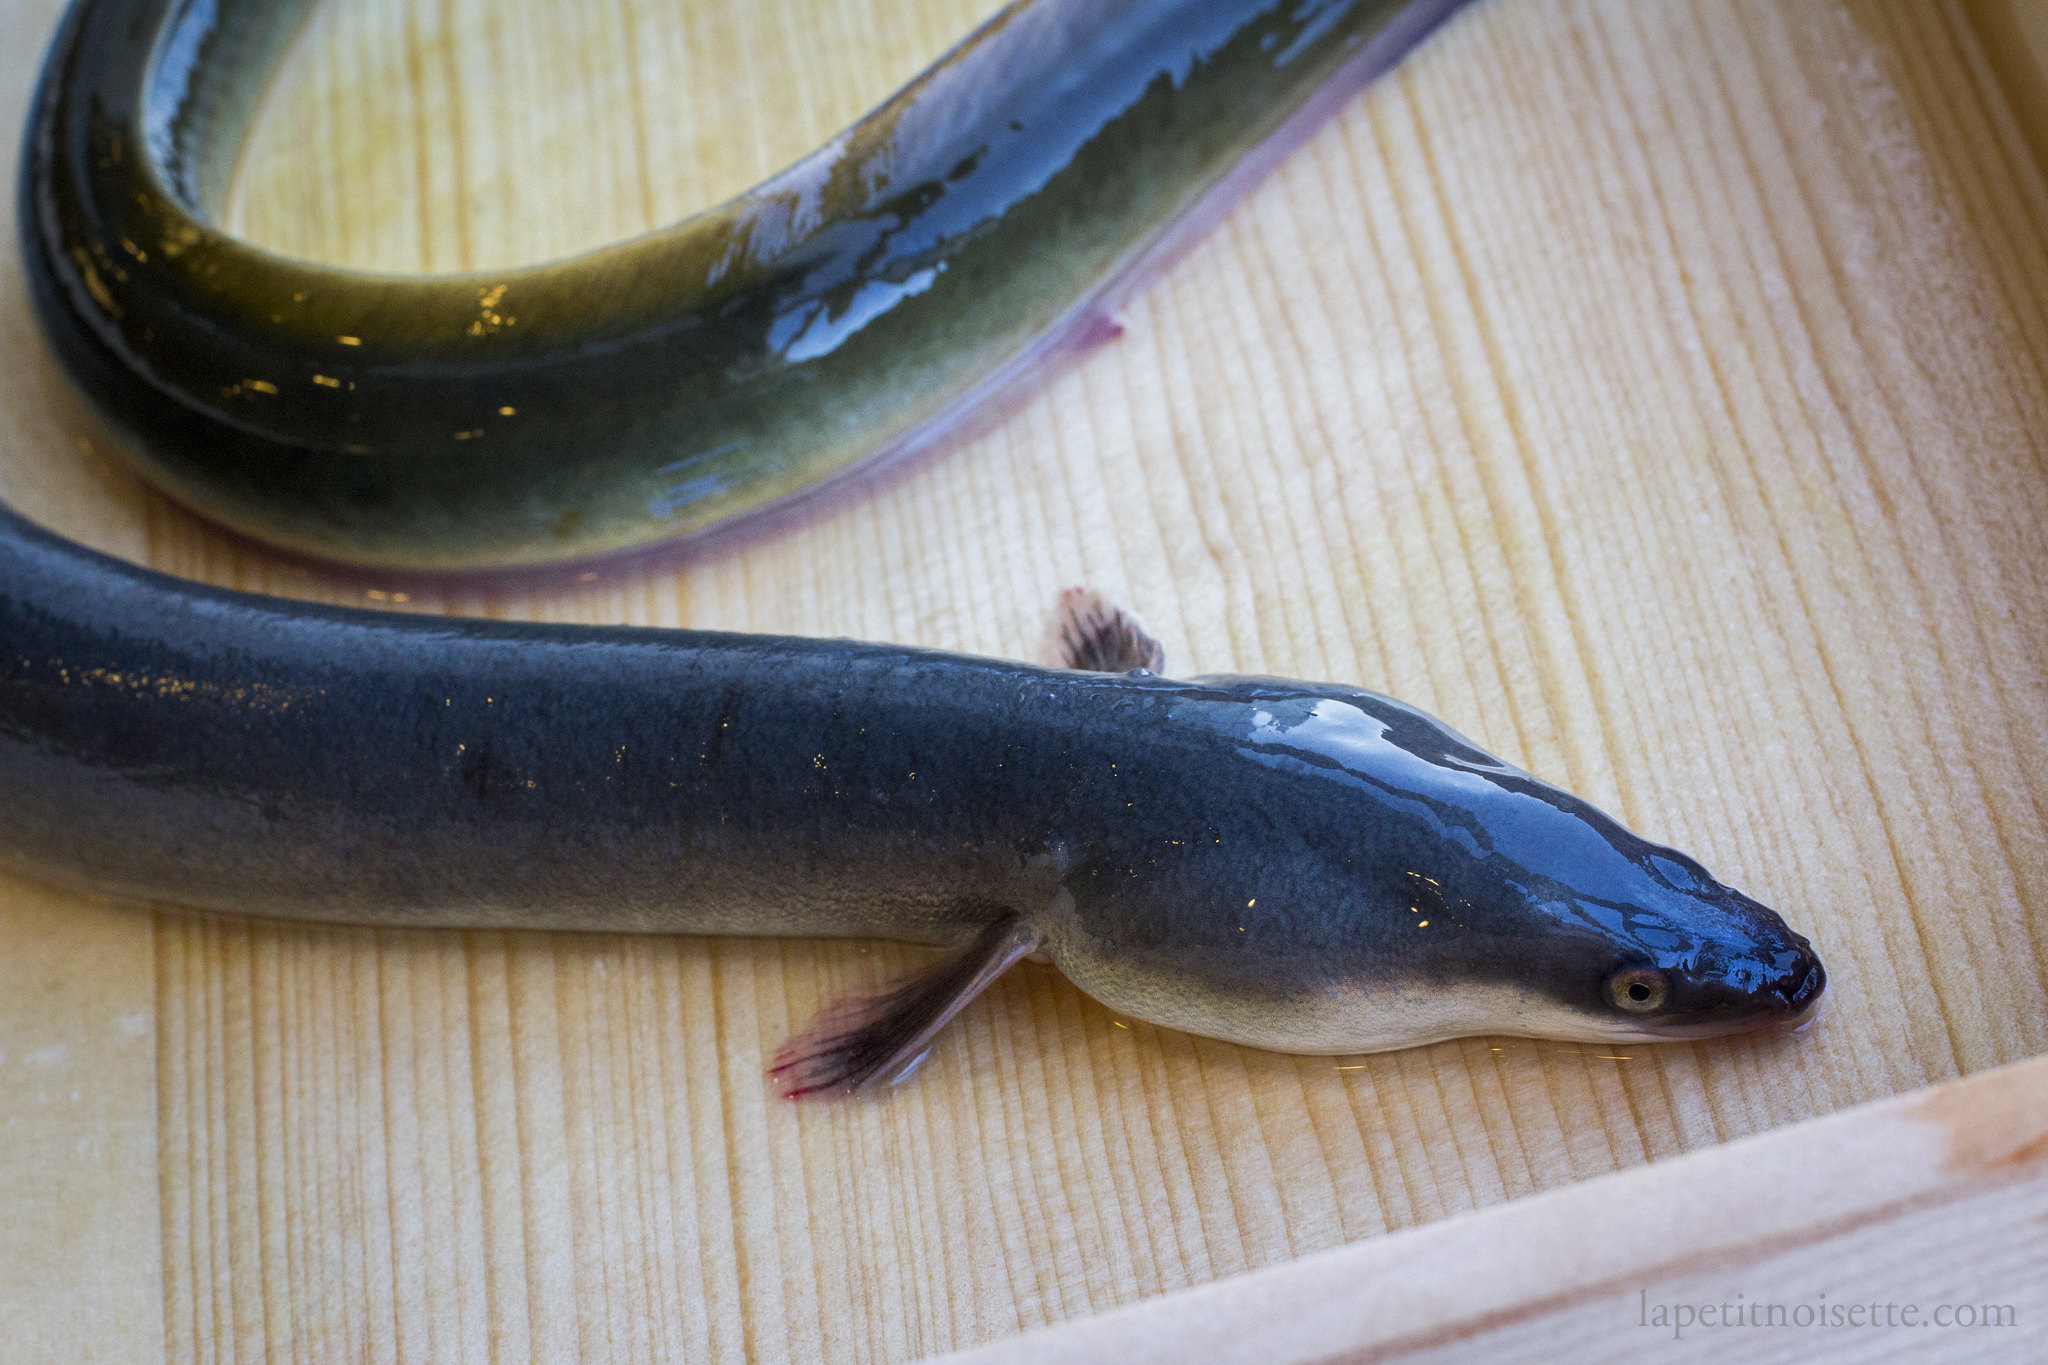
{"x": 1307, "y": 867}
{"x": 845, "y": 309}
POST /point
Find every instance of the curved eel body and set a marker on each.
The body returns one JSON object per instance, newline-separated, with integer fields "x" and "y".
{"x": 1299, "y": 866}
{"x": 1308, "y": 867}
{"x": 845, "y": 309}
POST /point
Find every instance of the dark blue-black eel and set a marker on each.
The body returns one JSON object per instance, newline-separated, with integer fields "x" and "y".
{"x": 1308, "y": 867}
{"x": 1299, "y": 866}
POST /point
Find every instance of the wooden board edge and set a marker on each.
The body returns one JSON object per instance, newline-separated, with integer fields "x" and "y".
{"x": 1852, "y": 1174}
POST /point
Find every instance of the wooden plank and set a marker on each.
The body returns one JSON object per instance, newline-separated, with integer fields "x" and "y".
{"x": 80, "y": 1242}
{"x": 1905, "y": 1229}
{"x": 1652, "y": 389}
{"x": 81, "y": 1253}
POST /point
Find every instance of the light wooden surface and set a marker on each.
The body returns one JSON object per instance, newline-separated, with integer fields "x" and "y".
{"x": 1654, "y": 390}
{"x": 1905, "y": 1229}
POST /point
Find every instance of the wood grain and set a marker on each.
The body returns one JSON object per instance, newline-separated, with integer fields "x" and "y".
{"x": 1653, "y": 390}
{"x": 1904, "y": 1229}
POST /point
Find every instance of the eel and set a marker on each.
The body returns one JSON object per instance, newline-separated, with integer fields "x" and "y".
{"x": 1305, "y": 867}
{"x": 1308, "y": 867}
{"x": 977, "y": 224}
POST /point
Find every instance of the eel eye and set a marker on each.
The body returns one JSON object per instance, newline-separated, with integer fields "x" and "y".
{"x": 1638, "y": 990}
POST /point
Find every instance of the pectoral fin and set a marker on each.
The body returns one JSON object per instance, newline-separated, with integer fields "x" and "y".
{"x": 1099, "y": 636}
{"x": 862, "y": 1040}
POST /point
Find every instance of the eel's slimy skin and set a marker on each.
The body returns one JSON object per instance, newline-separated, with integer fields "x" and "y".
{"x": 843, "y": 310}
{"x": 1300, "y": 866}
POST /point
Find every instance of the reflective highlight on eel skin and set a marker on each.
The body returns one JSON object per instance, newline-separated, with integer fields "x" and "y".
{"x": 1301, "y": 866}
{"x": 848, "y": 308}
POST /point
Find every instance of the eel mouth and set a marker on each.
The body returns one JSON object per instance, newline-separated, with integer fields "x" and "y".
{"x": 1792, "y": 998}
{"x": 1788, "y": 1004}
{"x": 1802, "y": 991}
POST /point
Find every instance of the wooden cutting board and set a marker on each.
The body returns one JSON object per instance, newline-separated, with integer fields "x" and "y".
{"x": 1655, "y": 390}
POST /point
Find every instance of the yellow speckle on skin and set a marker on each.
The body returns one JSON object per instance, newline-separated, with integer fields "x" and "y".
{"x": 1423, "y": 925}
{"x": 326, "y": 381}
{"x": 508, "y": 411}
{"x": 489, "y": 319}
{"x": 260, "y": 385}
{"x": 1250, "y": 903}
{"x": 350, "y": 341}
{"x": 182, "y": 236}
